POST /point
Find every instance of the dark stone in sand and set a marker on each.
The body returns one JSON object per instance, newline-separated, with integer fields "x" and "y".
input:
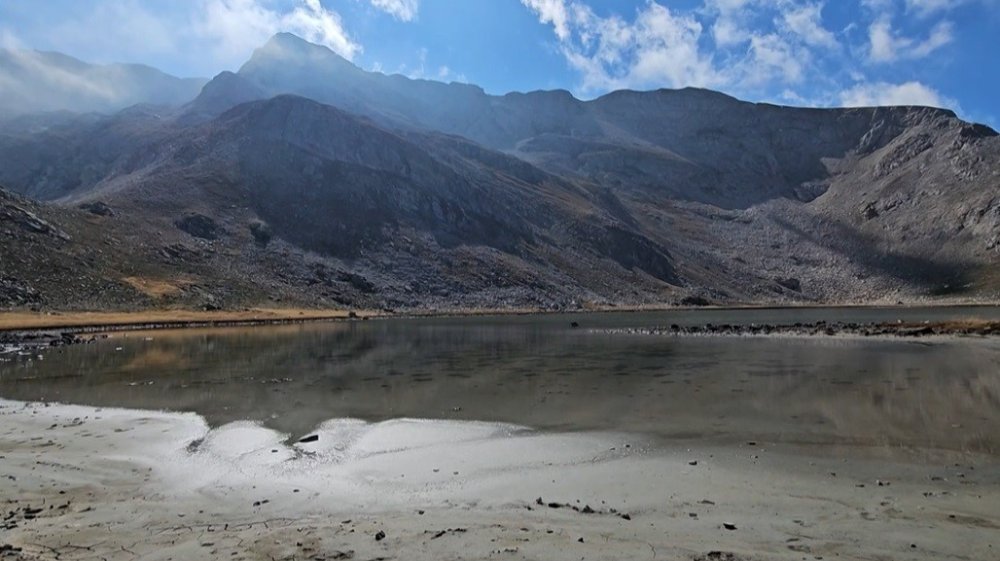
{"x": 718, "y": 556}
{"x": 310, "y": 438}
{"x": 379, "y": 536}
{"x": 728, "y": 526}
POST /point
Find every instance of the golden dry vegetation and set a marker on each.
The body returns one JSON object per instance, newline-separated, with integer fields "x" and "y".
{"x": 179, "y": 318}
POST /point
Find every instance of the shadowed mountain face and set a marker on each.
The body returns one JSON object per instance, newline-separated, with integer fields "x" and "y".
{"x": 366, "y": 189}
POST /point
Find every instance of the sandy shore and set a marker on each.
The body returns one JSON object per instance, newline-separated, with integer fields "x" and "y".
{"x": 14, "y": 321}
{"x": 33, "y": 321}
{"x": 86, "y": 483}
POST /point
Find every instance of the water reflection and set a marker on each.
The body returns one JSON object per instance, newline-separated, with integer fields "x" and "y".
{"x": 545, "y": 375}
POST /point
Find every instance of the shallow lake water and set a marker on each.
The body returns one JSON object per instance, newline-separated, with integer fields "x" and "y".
{"x": 888, "y": 395}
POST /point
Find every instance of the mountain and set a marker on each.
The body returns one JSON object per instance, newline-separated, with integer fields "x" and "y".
{"x": 304, "y": 179}
{"x": 697, "y": 145}
{"x": 37, "y": 82}
{"x": 323, "y": 206}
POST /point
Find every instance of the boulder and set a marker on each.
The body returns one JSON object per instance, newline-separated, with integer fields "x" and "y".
{"x": 199, "y": 226}
{"x": 261, "y": 231}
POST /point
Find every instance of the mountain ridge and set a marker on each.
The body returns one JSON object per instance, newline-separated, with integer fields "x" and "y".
{"x": 361, "y": 189}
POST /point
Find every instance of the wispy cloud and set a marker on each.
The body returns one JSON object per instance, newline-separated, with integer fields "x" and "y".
{"x": 806, "y": 21}
{"x": 236, "y": 27}
{"x": 33, "y": 81}
{"x": 768, "y": 49}
{"x": 422, "y": 70}
{"x": 203, "y": 36}
{"x": 403, "y": 10}
{"x": 554, "y": 12}
{"x": 659, "y": 47}
{"x": 130, "y": 27}
{"x": 927, "y": 7}
{"x": 908, "y": 93}
{"x": 888, "y": 46}
{"x": 663, "y": 47}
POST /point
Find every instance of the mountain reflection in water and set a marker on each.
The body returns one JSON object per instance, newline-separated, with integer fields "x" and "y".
{"x": 885, "y": 394}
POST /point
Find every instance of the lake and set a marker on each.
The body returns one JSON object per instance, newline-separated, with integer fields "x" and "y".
{"x": 885, "y": 395}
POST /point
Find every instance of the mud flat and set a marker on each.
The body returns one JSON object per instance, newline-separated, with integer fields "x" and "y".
{"x": 89, "y": 483}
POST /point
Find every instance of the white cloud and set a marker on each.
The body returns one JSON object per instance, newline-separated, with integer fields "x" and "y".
{"x": 882, "y": 93}
{"x": 10, "y": 40}
{"x": 235, "y": 27}
{"x": 422, "y": 69}
{"x": 189, "y": 37}
{"x": 127, "y": 27}
{"x": 403, "y": 10}
{"x": 757, "y": 43}
{"x": 927, "y": 7}
{"x": 887, "y": 46}
{"x": 877, "y": 5}
{"x": 56, "y": 79}
{"x": 659, "y": 48}
{"x": 730, "y": 16}
{"x": 554, "y": 12}
{"x": 773, "y": 58}
{"x": 806, "y": 21}
{"x": 779, "y": 50}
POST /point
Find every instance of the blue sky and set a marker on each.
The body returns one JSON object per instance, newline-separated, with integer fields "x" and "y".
{"x": 799, "y": 52}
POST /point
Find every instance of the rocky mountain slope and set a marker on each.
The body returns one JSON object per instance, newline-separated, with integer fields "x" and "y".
{"x": 374, "y": 190}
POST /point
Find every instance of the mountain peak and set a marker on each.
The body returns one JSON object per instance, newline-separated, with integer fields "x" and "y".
{"x": 286, "y": 45}
{"x": 286, "y": 51}
{"x": 287, "y": 39}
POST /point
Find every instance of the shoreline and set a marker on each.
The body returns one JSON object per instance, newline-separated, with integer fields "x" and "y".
{"x": 95, "y": 322}
{"x": 78, "y": 322}
{"x": 824, "y": 330}
{"x": 126, "y": 484}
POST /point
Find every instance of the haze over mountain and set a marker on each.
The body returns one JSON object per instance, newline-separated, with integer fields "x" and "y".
{"x": 34, "y": 82}
{"x": 305, "y": 179}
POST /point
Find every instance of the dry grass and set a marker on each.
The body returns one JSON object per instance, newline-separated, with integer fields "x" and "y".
{"x": 156, "y": 288}
{"x": 168, "y": 318}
